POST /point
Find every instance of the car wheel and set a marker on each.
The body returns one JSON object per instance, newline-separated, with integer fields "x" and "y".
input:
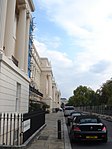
{"x": 71, "y": 136}
{"x": 68, "y": 122}
{"x": 105, "y": 140}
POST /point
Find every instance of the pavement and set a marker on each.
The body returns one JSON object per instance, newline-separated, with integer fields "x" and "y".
{"x": 48, "y": 137}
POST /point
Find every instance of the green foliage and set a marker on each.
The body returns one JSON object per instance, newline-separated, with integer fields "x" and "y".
{"x": 45, "y": 106}
{"x": 71, "y": 101}
{"x": 34, "y": 106}
{"x": 83, "y": 96}
{"x": 106, "y": 93}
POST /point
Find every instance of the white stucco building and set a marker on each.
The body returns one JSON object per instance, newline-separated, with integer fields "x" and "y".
{"x": 15, "y": 18}
{"x": 56, "y": 94}
{"x": 35, "y": 76}
{"x": 24, "y": 75}
{"x": 43, "y": 81}
{"x": 16, "y": 85}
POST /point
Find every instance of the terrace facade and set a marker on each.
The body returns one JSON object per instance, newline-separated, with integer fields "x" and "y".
{"x": 15, "y": 17}
{"x": 42, "y": 80}
{"x": 24, "y": 74}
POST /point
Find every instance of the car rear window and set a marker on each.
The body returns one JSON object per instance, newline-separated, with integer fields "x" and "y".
{"x": 74, "y": 114}
{"x": 69, "y": 108}
{"x": 89, "y": 120}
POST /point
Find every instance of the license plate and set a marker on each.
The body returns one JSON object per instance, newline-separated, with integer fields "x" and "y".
{"x": 91, "y": 137}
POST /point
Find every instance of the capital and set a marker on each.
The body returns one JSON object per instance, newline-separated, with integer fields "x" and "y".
{"x": 28, "y": 14}
{"x": 22, "y": 6}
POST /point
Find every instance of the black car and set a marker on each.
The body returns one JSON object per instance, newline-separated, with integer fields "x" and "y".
{"x": 88, "y": 127}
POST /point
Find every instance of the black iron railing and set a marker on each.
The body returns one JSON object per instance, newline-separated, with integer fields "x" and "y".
{"x": 101, "y": 109}
{"x": 36, "y": 120}
{"x": 16, "y": 128}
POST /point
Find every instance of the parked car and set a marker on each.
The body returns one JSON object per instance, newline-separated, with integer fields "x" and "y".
{"x": 88, "y": 128}
{"x": 73, "y": 115}
{"x": 67, "y": 111}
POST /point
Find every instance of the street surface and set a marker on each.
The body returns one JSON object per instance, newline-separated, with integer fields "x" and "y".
{"x": 97, "y": 145}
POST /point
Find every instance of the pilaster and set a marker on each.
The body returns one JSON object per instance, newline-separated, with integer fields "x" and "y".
{"x": 49, "y": 86}
{"x": 27, "y": 42}
{"x": 21, "y": 30}
{"x": 9, "y": 48}
{"x": 3, "y": 9}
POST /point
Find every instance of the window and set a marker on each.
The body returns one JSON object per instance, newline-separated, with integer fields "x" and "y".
{"x": 18, "y": 96}
{"x": 88, "y": 120}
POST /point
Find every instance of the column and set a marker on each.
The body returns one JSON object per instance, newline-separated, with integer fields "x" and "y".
{"x": 3, "y": 9}
{"x": 50, "y": 86}
{"x": 9, "y": 43}
{"x": 27, "y": 42}
{"x": 53, "y": 93}
{"x": 20, "y": 47}
{"x": 53, "y": 96}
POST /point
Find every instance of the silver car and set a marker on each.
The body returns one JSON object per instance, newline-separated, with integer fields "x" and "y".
{"x": 67, "y": 112}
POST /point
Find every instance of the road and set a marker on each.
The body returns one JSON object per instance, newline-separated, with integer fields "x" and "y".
{"x": 96, "y": 145}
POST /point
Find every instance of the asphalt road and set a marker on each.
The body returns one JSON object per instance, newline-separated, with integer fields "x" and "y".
{"x": 97, "y": 145}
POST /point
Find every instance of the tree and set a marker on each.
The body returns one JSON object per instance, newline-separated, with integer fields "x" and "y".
{"x": 106, "y": 93}
{"x": 83, "y": 96}
{"x": 45, "y": 107}
{"x": 71, "y": 101}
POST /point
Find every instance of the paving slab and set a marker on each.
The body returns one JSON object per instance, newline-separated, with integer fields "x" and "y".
{"x": 48, "y": 137}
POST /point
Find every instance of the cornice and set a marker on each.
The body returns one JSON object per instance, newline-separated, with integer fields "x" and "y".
{"x": 31, "y": 5}
{"x": 24, "y": 2}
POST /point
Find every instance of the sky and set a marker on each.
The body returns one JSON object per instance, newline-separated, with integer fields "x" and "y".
{"x": 76, "y": 37}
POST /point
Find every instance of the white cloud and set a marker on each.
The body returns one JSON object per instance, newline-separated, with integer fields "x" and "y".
{"x": 69, "y": 74}
{"x": 57, "y": 58}
{"x": 89, "y": 23}
{"x": 61, "y": 65}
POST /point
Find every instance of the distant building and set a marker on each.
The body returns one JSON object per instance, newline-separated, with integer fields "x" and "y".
{"x": 56, "y": 95}
{"x": 42, "y": 81}
{"x": 64, "y": 100}
{"x": 35, "y": 76}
